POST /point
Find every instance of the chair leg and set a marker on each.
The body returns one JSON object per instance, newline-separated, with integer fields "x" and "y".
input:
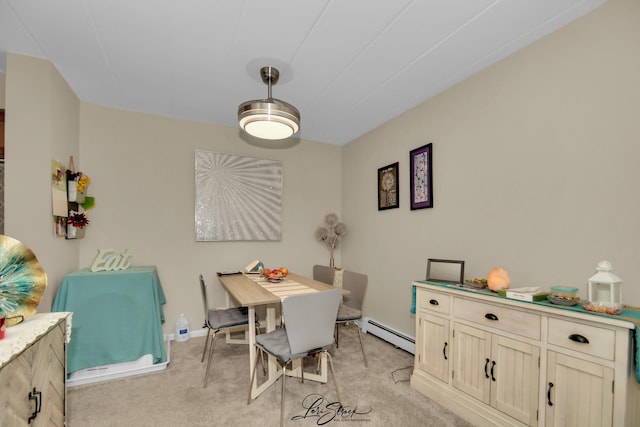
{"x": 361, "y": 345}
{"x": 337, "y": 335}
{"x": 253, "y": 376}
{"x": 284, "y": 376}
{"x": 264, "y": 367}
{"x": 333, "y": 374}
{"x": 206, "y": 341}
{"x": 206, "y": 373}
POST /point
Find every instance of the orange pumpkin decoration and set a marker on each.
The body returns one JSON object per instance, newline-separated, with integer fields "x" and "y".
{"x": 498, "y": 279}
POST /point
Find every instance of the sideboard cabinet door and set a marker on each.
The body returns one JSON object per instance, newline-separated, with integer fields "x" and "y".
{"x": 579, "y": 392}
{"x": 39, "y": 372}
{"x": 432, "y": 346}
{"x": 499, "y": 371}
{"x": 48, "y": 377}
{"x": 15, "y": 384}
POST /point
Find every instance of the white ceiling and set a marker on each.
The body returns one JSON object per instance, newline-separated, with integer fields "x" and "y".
{"x": 348, "y": 65}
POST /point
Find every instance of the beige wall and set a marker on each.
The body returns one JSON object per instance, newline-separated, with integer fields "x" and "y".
{"x": 41, "y": 125}
{"x": 535, "y": 170}
{"x": 142, "y": 171}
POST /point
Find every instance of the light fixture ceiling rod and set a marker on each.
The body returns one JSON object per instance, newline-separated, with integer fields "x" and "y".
{"x": 270, "y": 76}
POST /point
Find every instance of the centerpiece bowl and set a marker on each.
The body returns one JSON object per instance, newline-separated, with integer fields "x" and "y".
{"x": 276, "y": 275}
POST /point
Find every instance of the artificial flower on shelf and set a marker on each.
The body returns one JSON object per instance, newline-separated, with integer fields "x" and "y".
{"x": 76, "y": 223}
{"x": 77, "y": 183}
{"x": 83, "y": 182}
{"x": 331, "y": 233}
{"x": 78, "y": 219}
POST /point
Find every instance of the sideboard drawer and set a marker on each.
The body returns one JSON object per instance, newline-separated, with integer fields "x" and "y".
{"x": 434, "y": 301}
{"x": 588, "y": 339}
{"x": 517, "y": 322}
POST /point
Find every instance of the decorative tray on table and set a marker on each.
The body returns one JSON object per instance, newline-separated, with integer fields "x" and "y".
{"x": 567, "y": 302}
{"x": 476, "y": 283}
{"x": 602, "y": 309}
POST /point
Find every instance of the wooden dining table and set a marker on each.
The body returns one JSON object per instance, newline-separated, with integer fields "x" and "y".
{"x": 252, "y": 291}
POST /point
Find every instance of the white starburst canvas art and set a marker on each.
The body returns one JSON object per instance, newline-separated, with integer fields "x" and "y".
{"x": 237, "y": 198}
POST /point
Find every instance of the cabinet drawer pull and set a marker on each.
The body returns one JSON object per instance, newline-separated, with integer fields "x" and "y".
{"x": 444, "y": 351}
{"x": 433, "y": 302}
{"x": 37, "y": 396}
{"x": 579, "y": 338}
{"x": 493, "y": 365}
{"x": 486, "y": 364}
{"x": 491, "y": 316}
{"x": 549, "y": 387}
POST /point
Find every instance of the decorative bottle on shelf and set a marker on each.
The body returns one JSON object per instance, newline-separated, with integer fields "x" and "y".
{"x": 182, "y": 329}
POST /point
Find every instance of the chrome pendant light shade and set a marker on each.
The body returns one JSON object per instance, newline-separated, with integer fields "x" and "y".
{"x": 269, "y": 118}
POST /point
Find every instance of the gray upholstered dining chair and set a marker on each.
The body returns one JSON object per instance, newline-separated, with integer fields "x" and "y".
{"x": 350, "y": 310}
{"x": 216, "y": 321}
{"x": 324, "y": 274}
{"x": 310, "y": 320}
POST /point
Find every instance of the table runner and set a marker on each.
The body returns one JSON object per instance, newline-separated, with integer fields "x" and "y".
{"x": 283, "y": 289}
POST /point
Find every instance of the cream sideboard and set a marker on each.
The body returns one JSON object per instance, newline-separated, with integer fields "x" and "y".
{"x": 32, "y": 371}
{"x": 496, "y": 361}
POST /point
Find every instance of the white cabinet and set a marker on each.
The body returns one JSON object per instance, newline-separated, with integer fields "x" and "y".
{"x": 433, "y": 344}
{"x": 432, "y": 340}
{"x": 503, "y": 362}
{"x": 493, "y": 360}
{"x": 499, "y": 371}
{"x": 32, "y": 373}
{"x": 569, "y": 382}
{"x": 580, "y": 378}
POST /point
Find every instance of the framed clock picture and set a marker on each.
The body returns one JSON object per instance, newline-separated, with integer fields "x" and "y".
{"x": 388, "y": 194}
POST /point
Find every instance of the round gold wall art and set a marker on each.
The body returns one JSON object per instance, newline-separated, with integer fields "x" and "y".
{"x": 22, "y": 280}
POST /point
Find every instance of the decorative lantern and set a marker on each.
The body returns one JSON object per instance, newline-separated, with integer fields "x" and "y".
{"x": 605, "y": 288}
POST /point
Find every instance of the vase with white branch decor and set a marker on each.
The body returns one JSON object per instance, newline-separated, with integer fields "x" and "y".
{"x": 331, "y": 233}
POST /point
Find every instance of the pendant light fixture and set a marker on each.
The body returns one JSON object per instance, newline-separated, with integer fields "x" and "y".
{"x": 269, "y": 118}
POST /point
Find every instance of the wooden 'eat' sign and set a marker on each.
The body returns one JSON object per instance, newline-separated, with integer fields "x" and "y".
{"x": 108, "y": 260}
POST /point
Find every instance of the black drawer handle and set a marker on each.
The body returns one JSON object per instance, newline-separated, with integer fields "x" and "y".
{"x": 491, "y": 316}
{"x": 549, "y": 394}
{"x": 579, "y": 338}
{"x": 433, "y": 302}
{"x": 444, "y": 351}
{"x": 486, "y": 364}
{"x": 37, "y": 396}
{"x": 493, "y": 365}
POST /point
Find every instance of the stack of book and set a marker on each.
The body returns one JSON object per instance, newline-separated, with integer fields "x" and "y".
{"x": 532, "y": 293}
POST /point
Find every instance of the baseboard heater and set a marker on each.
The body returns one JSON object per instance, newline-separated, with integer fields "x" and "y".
{"x": 387, "y": 333}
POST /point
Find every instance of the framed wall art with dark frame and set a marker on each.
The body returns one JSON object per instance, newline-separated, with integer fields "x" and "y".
{"x": 388, "y": 188}
{"x": 421, "y": 178}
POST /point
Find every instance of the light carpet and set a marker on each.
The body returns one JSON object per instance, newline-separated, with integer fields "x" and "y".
{"x": 379, "y": 395}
